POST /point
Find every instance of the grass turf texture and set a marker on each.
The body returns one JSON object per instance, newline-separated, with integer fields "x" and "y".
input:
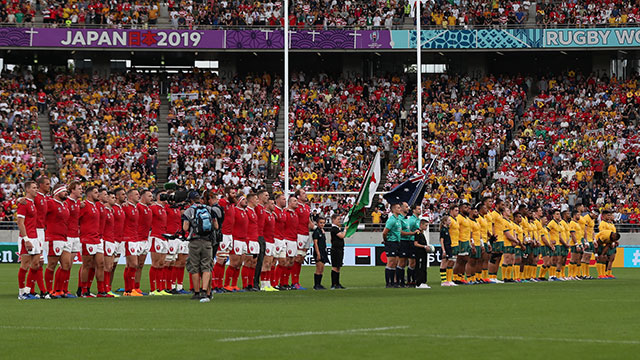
{"x": 576, "y": 319}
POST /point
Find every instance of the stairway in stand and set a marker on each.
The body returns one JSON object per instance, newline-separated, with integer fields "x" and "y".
{"x": 47, "y": 142}
{"x": 163, "y": 141}
{"x": 279, "y": 143}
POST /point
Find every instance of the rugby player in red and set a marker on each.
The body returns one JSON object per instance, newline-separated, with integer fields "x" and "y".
{"x": 176, "y": 260}
{"x": 304, "y": 225}
{"x": 41, "y": 200}
{"x": 144, "y": 229}
{"x": 280, "y": 252}
{"x": 226, "y": 246}
{"x": 119, "y": 196}
{"x": 269, "y": 250}
{"x": 253, "y": 246}
{"x": 130, "y": 239}
{"x": 239, "y": 233}
{"x": 28, "y": 243}
{"x": 59, "y": 249}
{"x": 92, "y": 246}
{"x": 158, "y": 273}
{"x": 73, "y": 230}
{"x": 290, "y": 240}
{"x": 109, "y": 237}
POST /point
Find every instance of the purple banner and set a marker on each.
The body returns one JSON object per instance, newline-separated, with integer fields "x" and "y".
{"x": 193, "y": 39}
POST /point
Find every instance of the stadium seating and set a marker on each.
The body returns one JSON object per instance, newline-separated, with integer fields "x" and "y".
{"x": 219, "y": 126}
{"x": 337, "y": 126}
{"x": 335, "y": 14}
{"x": 101, "y": 12}
{"x": 467, "y": 13}
{"x": 466, "y": 124}
{"x": 17, "y": 12}
{"x": 587, "y": 12}
{"x": 20, "y": 139}
{"x": 104, "y": 128}
{"x": 578, "y": 143}
{"x": 186, "y": 14}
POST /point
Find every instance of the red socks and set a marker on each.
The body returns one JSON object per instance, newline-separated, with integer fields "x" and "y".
{"x": 31, "y": 280}
{"x": 39, "y": 279}
{"x": 48, "y": 280}
{"x": 179, "y": 274}
{"x": 107, "y": 281}
{"x": 218, "y": 275}
{"x": 234, "y": 280}
{"x": 129, "y": 278}
{"x": 245, "y": 276}
{"x": 228, "y": 276}
{"x": 22, "y": 278}
{"x": 284, "y": 275}
{"x": 57, "y": 282}
{"x": 295, "y": 273}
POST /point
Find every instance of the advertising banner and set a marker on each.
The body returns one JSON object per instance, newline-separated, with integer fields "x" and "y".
{"x": 577, "y": 38}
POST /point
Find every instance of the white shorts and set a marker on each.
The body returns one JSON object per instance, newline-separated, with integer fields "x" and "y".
{"x": 76, "y": 246}
{"x": 145, "y": 246}
{"x": 183, "y": 249}
{"x": 279, "y": 250}
{"x": 226, "y": 245}
{"x": 42, "y": 241}
{"x": 36, "y": 249}
{"x": 110, "y": 248}
{"x": 303, "y": 242}
{"x": 291, "y": 248}
{"x": 159, "y": 246}
{"x": 254, "y": 248}
{"x": 269, "y": 249}
{"x": 119, "y": 251}
{"x": 174, "y": 245}
{"x": 92, "y": 249}
{"x": 55, "y": 248}
{"x": 239, "y": 247}
{"x": 131, "y": 248}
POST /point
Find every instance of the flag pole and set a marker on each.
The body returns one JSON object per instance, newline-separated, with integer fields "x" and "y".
{"x": 286, "y": 98}
{"x": 419, "y": 83}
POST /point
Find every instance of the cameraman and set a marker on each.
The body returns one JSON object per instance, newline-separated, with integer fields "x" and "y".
{"x": 198, "y": 226}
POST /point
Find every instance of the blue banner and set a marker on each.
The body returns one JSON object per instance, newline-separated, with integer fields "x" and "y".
{"x": 582, "y": 38}
{"x": 632, "y": 257}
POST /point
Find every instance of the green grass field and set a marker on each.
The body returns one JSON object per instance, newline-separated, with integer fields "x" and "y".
{"x": 577, "y": 319}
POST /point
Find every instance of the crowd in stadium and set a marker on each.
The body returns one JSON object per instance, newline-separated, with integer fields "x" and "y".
{"x": 340, "y": 124}
{"x": 466, "y": 13}
{"x": 587, "y": 12}
{"x": 104, "y": 128}
{"x": 96, "y": 12}
{"x": 222, "y": 131}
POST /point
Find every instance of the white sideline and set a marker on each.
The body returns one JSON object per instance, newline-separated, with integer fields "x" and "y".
{"x": 310, "y": 333}
{"x": 513, "y": 338}
{"x": 76, "y": 328}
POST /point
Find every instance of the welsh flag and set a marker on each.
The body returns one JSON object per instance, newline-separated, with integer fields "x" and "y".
{"x": 365, "y": 196}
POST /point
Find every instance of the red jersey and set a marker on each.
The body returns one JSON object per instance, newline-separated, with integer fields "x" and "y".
{"x": 278, "y": 232}
{"x": 303, "y": 211}
{"x": 130, "y": 232}
{"x": 73, "y": 229}
{"x": 291, "y": 225}
{"x": 261, "y": 215}
{"x": 103, "y": 218}
{"x": 56, "y": 221}
{"x": 29, "y": 213}
{"x": 174, "y": 220}
{"x": 229, "y": 216}
{"x": 252, "y": 228}
{"x": 108, "y": 231}
{"x": 269, "y": 226}
{"x": 89, "y": 223}
{"x": 159, "y": 221}
{"x": 144, "y": 221}
{"x": 240, "y": 224}
{"x": 118, "y": 222}
{"x": 41, "y": 208}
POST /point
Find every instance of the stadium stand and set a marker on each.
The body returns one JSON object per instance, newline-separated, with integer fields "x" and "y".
{"x": 104, "y": 128}
{"x": 466, "y": 13}
{"x": 325, "y": 14}
{"x": 587, "y": 12}
{"x": 218, "y": 125}
{"x": 337, "y": 127}
{"x": 186, "y": 14}
{"x": 17, "y": 12}
{"x": 20, "y": 139}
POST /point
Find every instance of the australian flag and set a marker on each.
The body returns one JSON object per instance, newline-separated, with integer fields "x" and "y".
{"x": 411, "y": 191}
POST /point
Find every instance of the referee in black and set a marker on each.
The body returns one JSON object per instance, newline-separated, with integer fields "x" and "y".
{"x": 319, "y": 253}
{"x": 337, "y": 251}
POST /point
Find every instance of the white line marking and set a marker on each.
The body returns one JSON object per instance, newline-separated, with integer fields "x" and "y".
{"x": 309, "y": 333}
{"x": 76, "y": 328}
{"x": 513, "y": 338}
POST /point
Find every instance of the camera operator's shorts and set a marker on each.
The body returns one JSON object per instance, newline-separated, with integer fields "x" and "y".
{"x": 279, "y": 251}
{"x": 159, "y": 246}
{"x": 200, "y": 256}
{"x": 291, "y": 247}
{"x": 226, "y": 245}
{"x": 269, "y": 249}
{"x": 254, "y": 248}
{"x": 239, "y": 247}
